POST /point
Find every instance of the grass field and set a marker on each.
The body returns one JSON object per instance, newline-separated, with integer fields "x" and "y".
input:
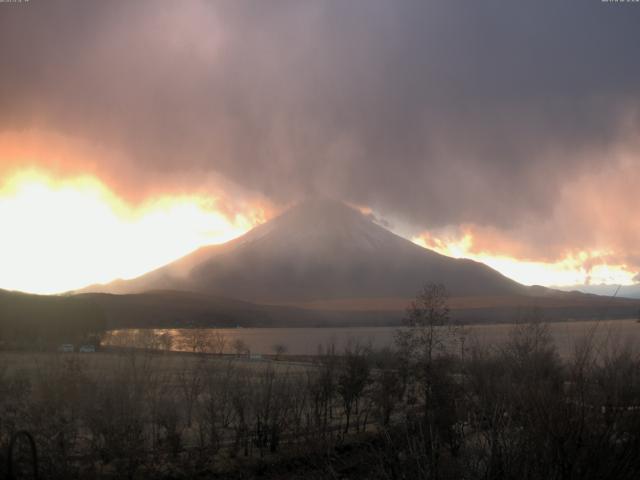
{"x": 170, "y": 363}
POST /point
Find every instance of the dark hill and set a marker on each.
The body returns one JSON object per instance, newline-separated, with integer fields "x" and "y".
{"x": 26, "y": 318}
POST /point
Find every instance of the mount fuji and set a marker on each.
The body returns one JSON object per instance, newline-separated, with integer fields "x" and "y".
{"x": 325, "y": 263}
{"x": 319, "y": 250}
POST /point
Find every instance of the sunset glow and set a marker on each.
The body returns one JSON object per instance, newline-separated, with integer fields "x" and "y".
{"x": 63, "y": 234}
{"x": 59, "y": 235}
{"x": 574, "y": 269}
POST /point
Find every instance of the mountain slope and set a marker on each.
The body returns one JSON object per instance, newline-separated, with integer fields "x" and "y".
{"x": 318, "y": 250}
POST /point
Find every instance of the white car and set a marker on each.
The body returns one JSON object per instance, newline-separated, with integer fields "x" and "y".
{"x": 87, "y": 349}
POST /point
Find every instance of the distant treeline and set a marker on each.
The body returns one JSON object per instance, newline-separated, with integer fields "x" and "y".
{"x": 28, "y": 320}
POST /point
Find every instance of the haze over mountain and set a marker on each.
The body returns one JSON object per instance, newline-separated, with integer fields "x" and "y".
{"x": 320, "y": 249}
{"x": 626, "y": 291}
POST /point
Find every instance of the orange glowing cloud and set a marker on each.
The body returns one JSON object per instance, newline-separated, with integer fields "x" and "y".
{"x": 63, "y": 234}
{"x": 591, "y": 236}
{"x": 574, "y": 268}
{"x": 57, "y": 154}
{"x": 63, "y": 156}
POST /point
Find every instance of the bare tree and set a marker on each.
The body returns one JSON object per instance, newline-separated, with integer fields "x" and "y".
{"x": 321, "y": 384}
{"x": 386, "y": 393}
{"x": 240, "y": 347}
{"x": 194, "y": 340}
{"x": 217, "y": 342}
{"x": 190, "y": 383}
{"x": 279, "y": 349}
{"x": 428, "y": 327}
{"x": 353, "y": 378}
{"x": 427, "y": 337}
{"x": 216, "y": 407}
{"x": 165, "y": 341}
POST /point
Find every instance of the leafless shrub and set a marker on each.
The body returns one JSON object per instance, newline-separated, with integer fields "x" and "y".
{"x": 240, "y": 347}
{"x": 279, "y": 350}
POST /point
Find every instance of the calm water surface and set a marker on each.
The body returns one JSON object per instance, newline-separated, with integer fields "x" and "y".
{"x": 613, "y": 334}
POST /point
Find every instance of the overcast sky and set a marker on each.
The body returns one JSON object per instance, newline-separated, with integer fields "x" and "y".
{"x": 516, "y": 122}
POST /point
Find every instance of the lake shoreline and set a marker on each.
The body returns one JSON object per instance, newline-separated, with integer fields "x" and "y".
{"x": 306, "y": 341}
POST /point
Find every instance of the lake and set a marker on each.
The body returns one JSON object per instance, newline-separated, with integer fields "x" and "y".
{"x": 305, "y": 341}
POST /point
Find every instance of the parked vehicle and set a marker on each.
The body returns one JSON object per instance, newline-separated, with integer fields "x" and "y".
{"x": 87, "y": 349}
{"x": 66, "y": 348}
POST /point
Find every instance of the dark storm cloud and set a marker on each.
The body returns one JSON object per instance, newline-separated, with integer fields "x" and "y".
{"x": 439, "y": 112}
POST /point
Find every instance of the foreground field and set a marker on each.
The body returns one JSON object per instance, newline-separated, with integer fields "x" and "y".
{"x": 113, "y": 360}
{"x": 425, "y": 409}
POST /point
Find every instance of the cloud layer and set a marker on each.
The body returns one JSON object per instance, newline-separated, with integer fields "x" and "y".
{"x": 520, "y": 119}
